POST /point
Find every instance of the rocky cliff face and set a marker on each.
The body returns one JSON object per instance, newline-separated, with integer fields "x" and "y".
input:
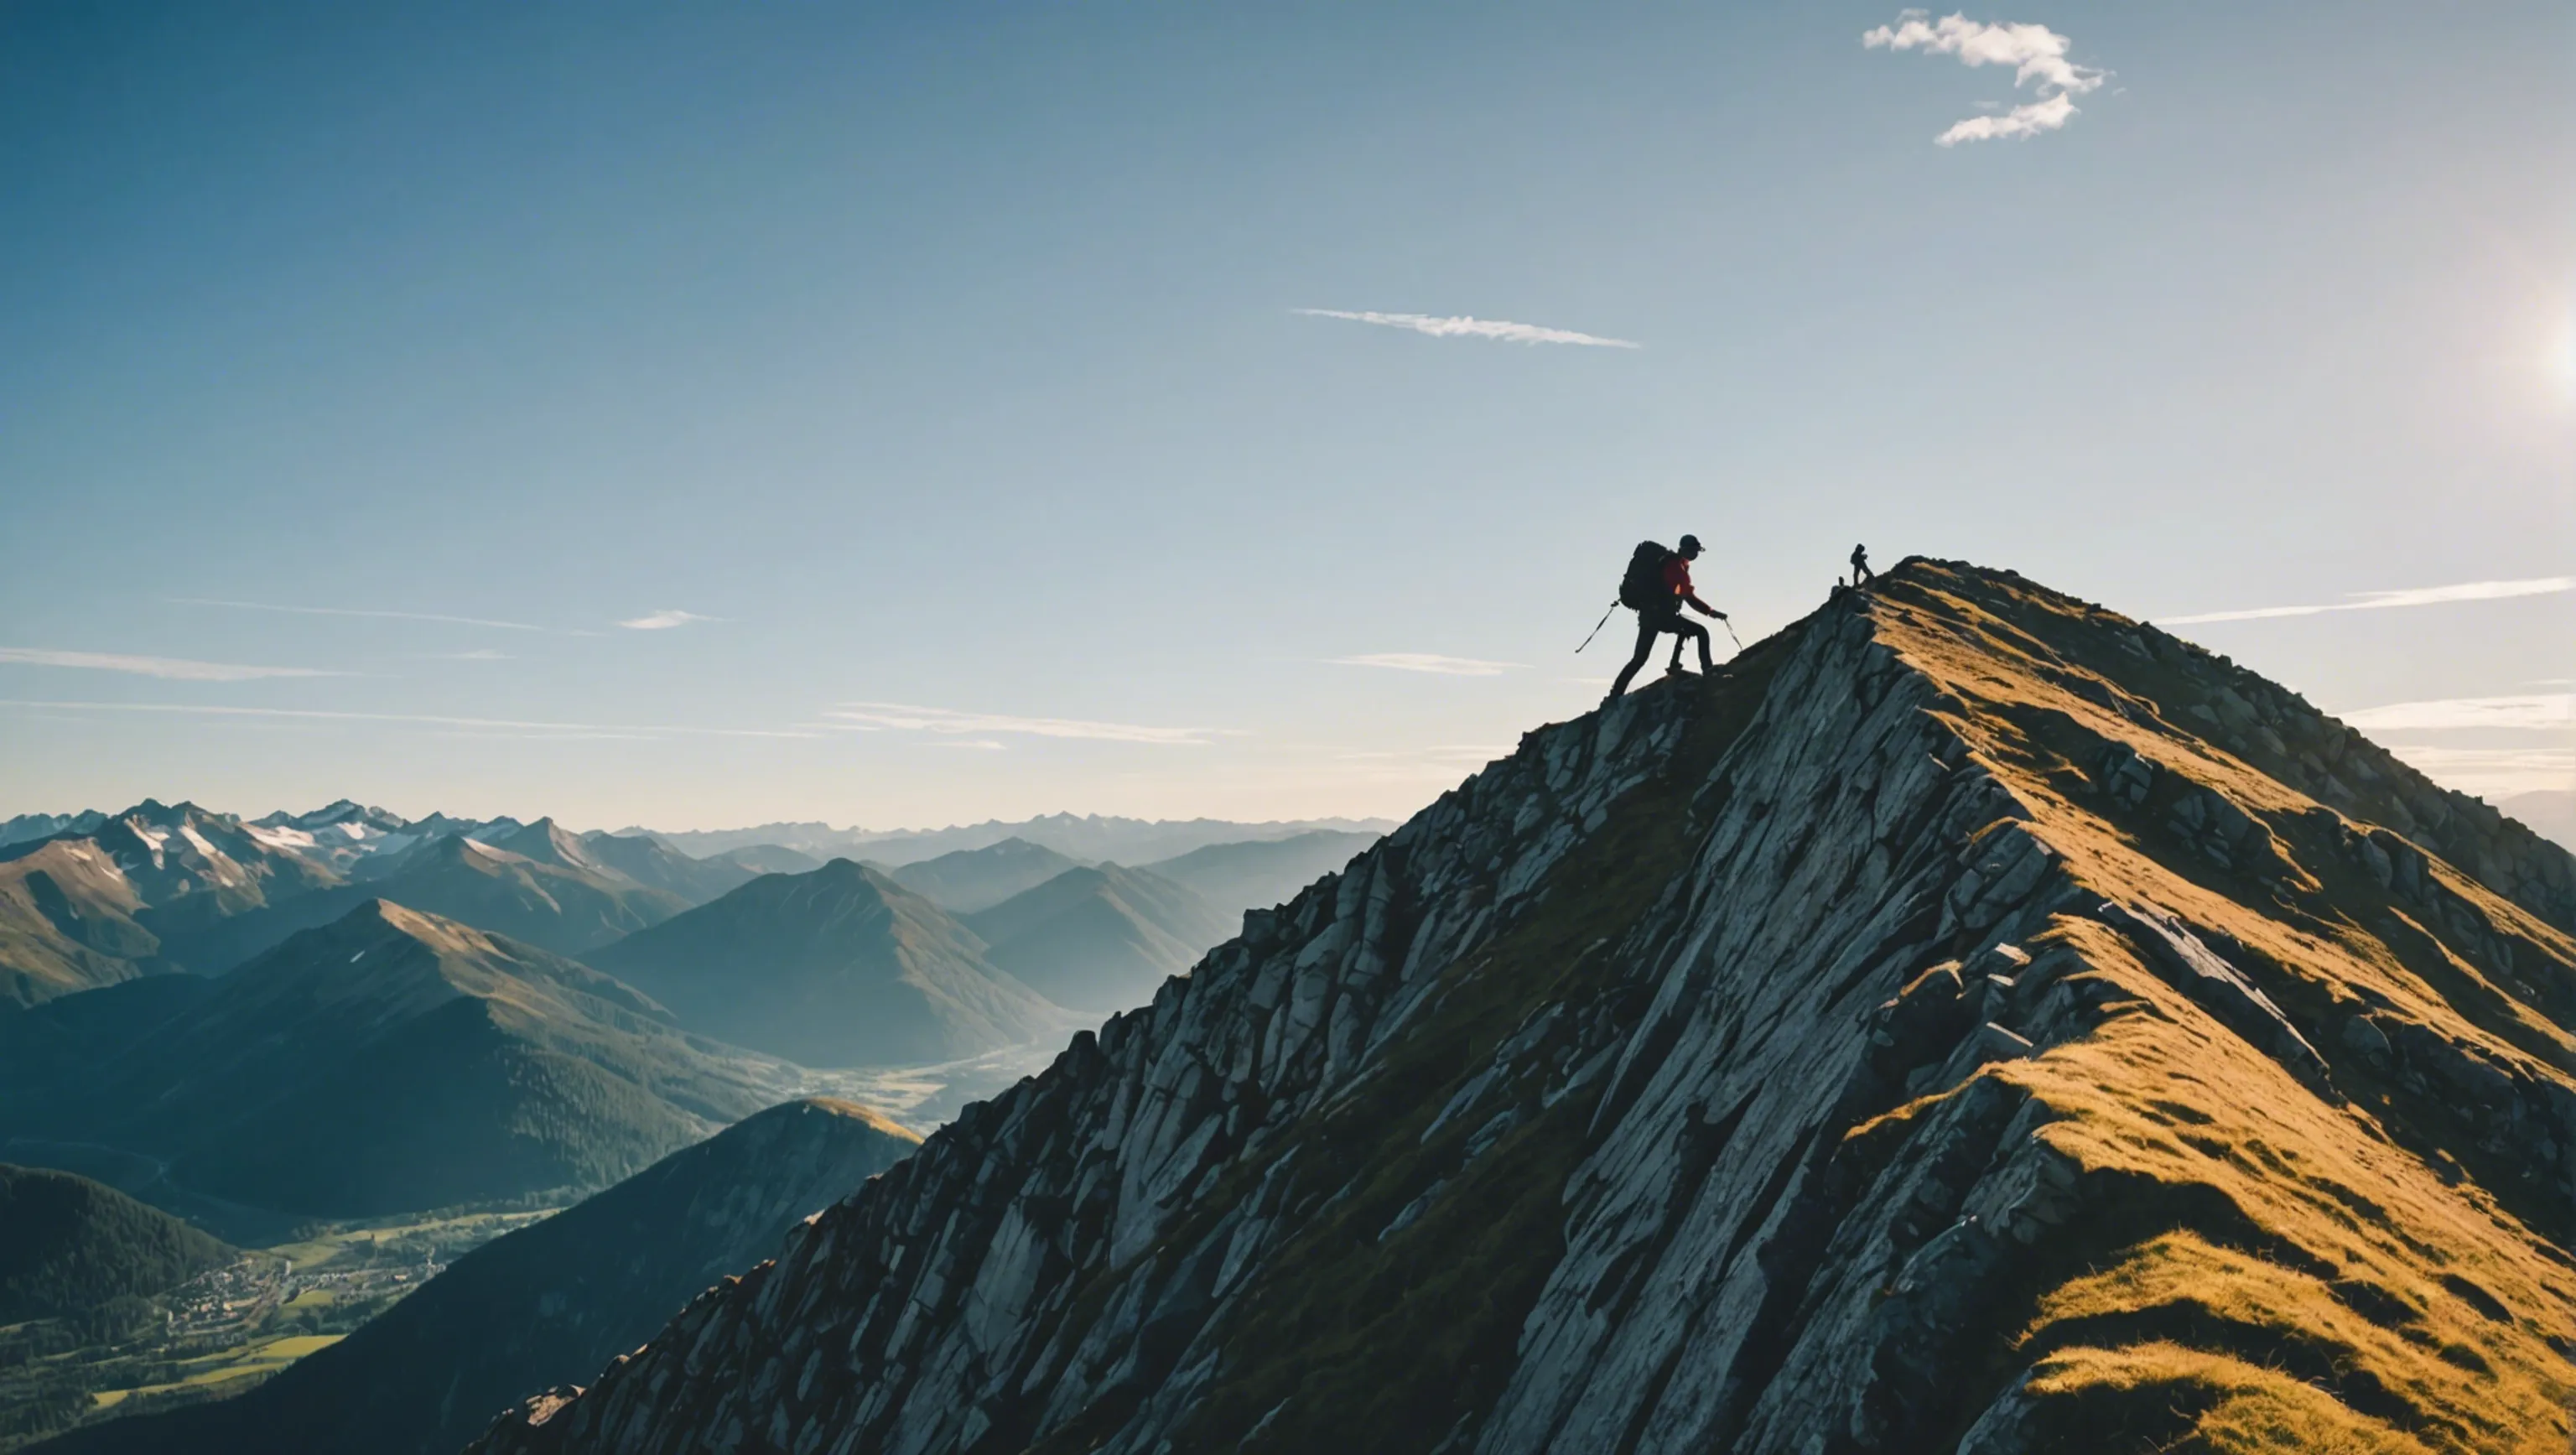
{"x": 1972, "y": 1021}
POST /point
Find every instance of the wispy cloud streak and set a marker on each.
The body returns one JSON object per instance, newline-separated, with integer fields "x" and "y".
{"x": 659, "y": 621}
{"x": 2546, "y": 711}
{"x": 171, "y": 668}
{"x": 1494, "y": 328}
{"x": 948, "y": 723}
{"x": 509, "y": 626}
{"x": 2036, "y": 53}
{"x": 2386, "y": 600}
{"x": 1428, "y": 662}
{"x": 566, "y": 729}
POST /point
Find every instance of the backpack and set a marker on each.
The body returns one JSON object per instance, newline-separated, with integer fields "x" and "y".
{"x": 1642, "y": 588}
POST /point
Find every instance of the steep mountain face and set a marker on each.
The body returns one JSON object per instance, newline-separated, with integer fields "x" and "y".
{"x": 395, "y": 1060}
{"x": 71, "y": 1244}
{"x": 840, "y": 967}
{"x": 1973, "y": 1021}
{"x": 975, "y": 879}
{"x": 555, "y": 897}
{"x": 545, "y": 1304}
{"x": 1263, "y": 873}
{"x": 1101, "y": 938}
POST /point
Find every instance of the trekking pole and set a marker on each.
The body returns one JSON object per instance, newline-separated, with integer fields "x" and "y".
{"x": 1730, "y": 633}
{"x": 1596, "y": 628}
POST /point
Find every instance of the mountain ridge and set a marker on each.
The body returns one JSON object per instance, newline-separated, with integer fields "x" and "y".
{"x": 1916, "y": 1037}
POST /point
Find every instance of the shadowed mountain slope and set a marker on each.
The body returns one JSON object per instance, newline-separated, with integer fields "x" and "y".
{"x": 1972, "y": 1022}
{"x": 1100, "y": 938}
{"x": 975, "y": 879}
{"x": 547, "y": 1303}
{"x": 1263, "y": 873}
{"x": 840, "y": 967}
{"x": 68, "y": 1244}
{"x": 395, "y": 1060}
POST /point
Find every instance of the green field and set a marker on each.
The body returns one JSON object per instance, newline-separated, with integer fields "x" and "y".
{"x": 250, "y": 1359}
{"x": 222, "y": 1334}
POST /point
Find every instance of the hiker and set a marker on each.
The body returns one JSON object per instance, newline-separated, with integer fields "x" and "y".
{"x": 1862, "y": 575}
{"x": 1657, "y": 591}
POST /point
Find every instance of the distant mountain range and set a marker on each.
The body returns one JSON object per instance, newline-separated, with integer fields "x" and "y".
{"x": 344, "y": 1012}
{"x": 838, "y": 967}
{"x": 1100, "y": 938}
{"x": 1087, "y": 838}
{"x": 546, "y": 1305}
{"x": 395, "y": 1060}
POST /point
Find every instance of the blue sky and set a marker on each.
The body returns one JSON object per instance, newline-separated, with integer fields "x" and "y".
{"x": 943, "y": 368}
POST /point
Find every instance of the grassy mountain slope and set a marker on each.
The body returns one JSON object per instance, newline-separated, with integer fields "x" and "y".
{"x": 543, "y": 1305}
{"x": 840, "y": 967}
{"x": 1100, "y": 938}
{"x": 68, "y": 1244}
{"x": 1262, "y": 873}
{"x": 1974, "y": 1021}
{"x": 394, "y": 1060}
{"x": 969, "y": 880}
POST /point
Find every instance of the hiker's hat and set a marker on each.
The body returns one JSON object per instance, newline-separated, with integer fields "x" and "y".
{"x": 1689, "y": 546}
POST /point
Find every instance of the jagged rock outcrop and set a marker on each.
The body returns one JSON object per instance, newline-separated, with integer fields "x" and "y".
{"x": 1973, "y": 1021}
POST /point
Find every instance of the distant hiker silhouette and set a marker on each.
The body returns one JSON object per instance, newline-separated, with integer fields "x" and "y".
{"x": 1656, "y": 587}
{"x": 1862, "y": 575}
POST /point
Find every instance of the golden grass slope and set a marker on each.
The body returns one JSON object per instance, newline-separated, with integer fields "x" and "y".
{"x": 2383, "y": 1265}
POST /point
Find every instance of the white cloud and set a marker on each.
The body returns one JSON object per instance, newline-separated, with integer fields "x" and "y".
{"x": 1427, "y": 662}
{"x": 2036, "y": 53}
{"x": 1519, "y": 333}
{"x": 663, "y": 620}
{"x": 415, "y": 718}
{"x": 2384, "y": 600}
{"x": 513, "y": 626}
{"x": 2029, "y": 119}
{"x": 2546, "y": 711}
{"x": 172, "y": 668}
{"x": 948, "y": 723}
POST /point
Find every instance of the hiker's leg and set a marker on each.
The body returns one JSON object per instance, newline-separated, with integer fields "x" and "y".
{"x": 1636, "y": 659}
{"x": 1693, "y": 631}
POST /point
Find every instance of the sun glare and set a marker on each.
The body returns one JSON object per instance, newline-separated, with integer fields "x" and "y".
{"x": 2561, "y": 359}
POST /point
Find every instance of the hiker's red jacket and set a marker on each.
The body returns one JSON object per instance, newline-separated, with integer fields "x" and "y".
{"x": 1677, "y": 579}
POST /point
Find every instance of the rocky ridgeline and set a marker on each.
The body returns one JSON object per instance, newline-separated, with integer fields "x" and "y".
{"x": 1927, "y": 1035}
